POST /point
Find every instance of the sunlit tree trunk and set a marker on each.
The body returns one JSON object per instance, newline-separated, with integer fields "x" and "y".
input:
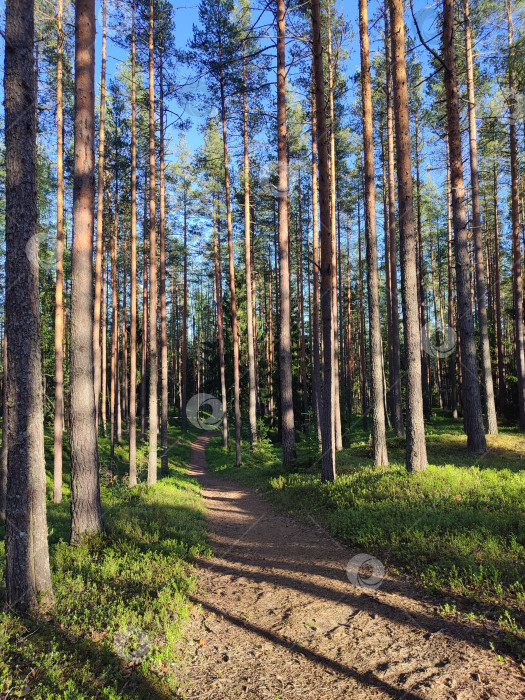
{"x": 59, "y": 286}
{"x": 86, "y": 510}
{"x": 252, "y": 396}
{"x": 97, "y": 354}
{"x": 163, "y": 310}
{"x": 220, "y": 323}
{"x": 380, "y": 454}
{"x": 497, "y": 283}
{"x": 416, "y": 453}
{"x": 486, "y": 365}
{"x": 316, "y": 359}
{"x": 152, "y": 315}
{"x": 133, "y": 271}
{"x": 285, "y": 336}
{"x": 470, "y": 394}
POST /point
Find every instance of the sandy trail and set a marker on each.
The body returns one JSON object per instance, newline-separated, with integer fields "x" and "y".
{"x": 279, "y": 618}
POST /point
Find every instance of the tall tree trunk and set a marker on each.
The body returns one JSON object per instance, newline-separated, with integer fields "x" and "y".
{"x": 59, "y": 287}
{"x": 152, "y": 316}
{"x": 453, "y": 399}
{"x": 3, "y": 451}
{"x": 486, "y": 366}
{"x": 517, "y": 275}
{"x": 395, "y": 361}
{"x": 416, "y": 452}
{"x": 316, "y": 358}
{"x": 184, "y": 392}
{"x": 425, "y": 359}
{"x": 145, "y": 296}
{"x": 86, "y": 509}
{"x": 235, "y": 325}
{"x": 103, "y": 342}
{"x": 362, "y": 339}
{"x": 470, "y": 394}
{"x": 97, "y": 355}
{"x": 163, "y": 311}
{"x": 333, "y": 208}
{"x": 133, "y": 271}
{"x": 27, "y": 559}
{"x": 252, "y": 402}
{"x": 497, "y": 283}
{"x": 285, "y": 338}
{"x": 328, "y": 467}
{"x": 114, "y": 382}
{"x": 380, "y": 454}
{"x": 220, "y": 323}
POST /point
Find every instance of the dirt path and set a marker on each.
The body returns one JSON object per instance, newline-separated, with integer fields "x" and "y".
{"x": 280, "y": 619}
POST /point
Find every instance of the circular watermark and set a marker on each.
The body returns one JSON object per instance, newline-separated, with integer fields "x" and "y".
{"x": 193, "y": 97}
{"x": 269, "y": 177}
{"x": 365, "y": 571}
{"x": 438, "y": 341}
{"x": 41, "y": 251}
{"x": 204, "y": 411}
{"x": 132, "y": 645}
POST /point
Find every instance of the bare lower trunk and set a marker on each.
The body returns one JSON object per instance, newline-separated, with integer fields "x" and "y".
{"x": 328, "y": 467}
{"x": 220, "y": 323}
{"x": 163, "y": 311}
{"x": 59, "y": 286}
{"x": 86, "y": 510}
{"x": 285, "y": 337}
{"x": 486, "y": 366}
{"x": 470, "y": 394}
{"x": 252, "y": 402}
{"x": 499, "y": 330}
{"x": 416, "y": 454}
{"x": 100, "y": 220}
{"x": 517, "y": 275}
{"x": 380, "y": 454}
{"x": 152, "y": 316}
{"x": 395, "y": 361}
{"x": 27, "y": 559}
{"x": 235, "y": 326}
{"x": 133, "y": 272}
{"x": 316, "y": 359}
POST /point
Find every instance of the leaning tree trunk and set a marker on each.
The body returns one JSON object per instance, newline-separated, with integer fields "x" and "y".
{"x": 416, "y": 452}
{"x": 328, "y": 467}
{"x": 486, "y": 365}
{"x": 470, "y": 394}
{"x": 152, "y": 316}
{"x": 58, "y": 427}
{"x": 285, "y": 337}
{"x": 380, "y": 454}
{"x": 86, "y": 509}
{"x": 27, "y": 558}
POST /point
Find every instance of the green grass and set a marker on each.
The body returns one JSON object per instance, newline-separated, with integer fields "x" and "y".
{"x": 458, "y": 529}
{"x": 121, "y": 598}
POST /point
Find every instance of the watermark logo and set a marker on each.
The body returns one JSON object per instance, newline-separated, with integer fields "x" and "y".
{"x": 204, "y": 411}
{"x": 438, "y": 341}
{"x": 41, "y": 251}
{"x": 426, "y": 20}
{"x": 132, "y": 645}
{"x": 365, "y": 571}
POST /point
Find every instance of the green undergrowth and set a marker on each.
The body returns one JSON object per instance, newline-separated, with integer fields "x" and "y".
{"x": 457, "y": 529}
{"x": 121, "y": 598}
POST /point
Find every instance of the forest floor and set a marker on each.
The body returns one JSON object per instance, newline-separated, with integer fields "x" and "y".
{"x": 277, "y": 616}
